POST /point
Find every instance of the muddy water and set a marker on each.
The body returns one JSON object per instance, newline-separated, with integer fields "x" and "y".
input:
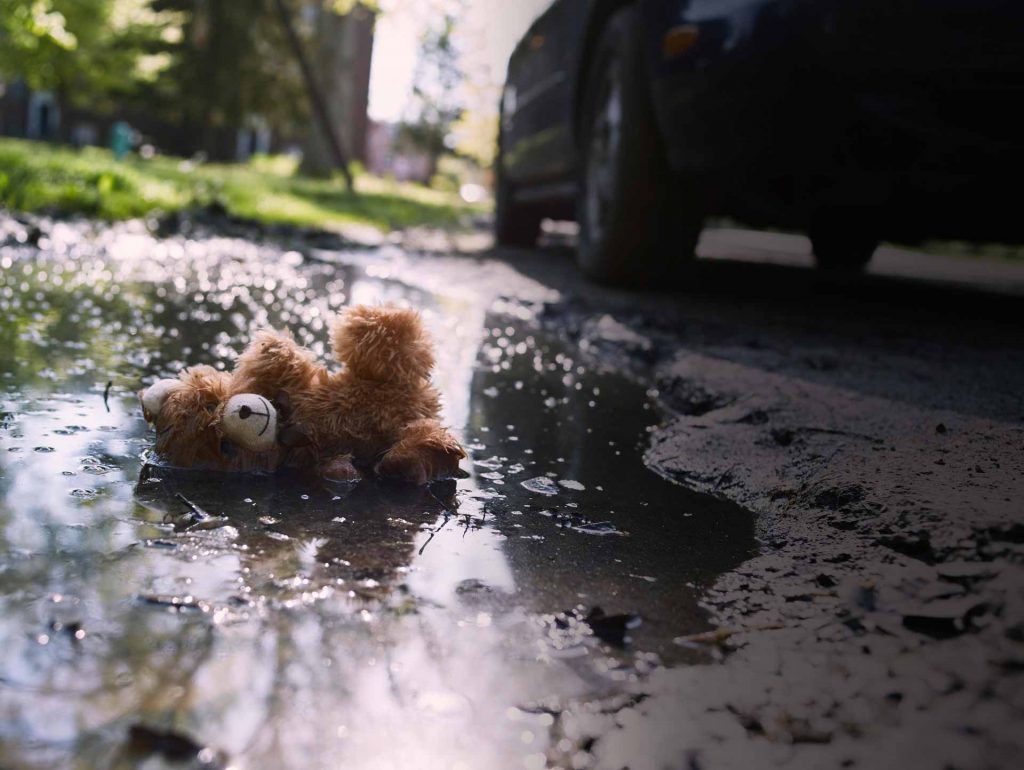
{"x": 150, "y": 615}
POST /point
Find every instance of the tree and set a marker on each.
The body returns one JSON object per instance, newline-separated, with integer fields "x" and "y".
{"x": 437, "y": 101}
{"x": 231, "y": 61}
{"x": 89, "y": 51}
{"x": 330, "y": 79}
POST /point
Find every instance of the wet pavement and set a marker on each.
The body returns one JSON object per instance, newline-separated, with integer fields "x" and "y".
{"x": 153, "y": 615}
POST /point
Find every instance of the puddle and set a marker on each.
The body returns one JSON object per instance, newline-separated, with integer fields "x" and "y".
{"x": 154, "y": 614}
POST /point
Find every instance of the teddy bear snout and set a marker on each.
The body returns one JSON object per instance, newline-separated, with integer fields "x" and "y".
{"x": 250, "y": 421}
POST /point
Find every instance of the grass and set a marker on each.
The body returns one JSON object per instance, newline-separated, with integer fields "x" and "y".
{"x": 42, "y": 177}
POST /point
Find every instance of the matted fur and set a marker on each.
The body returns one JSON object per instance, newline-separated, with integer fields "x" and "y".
{"x": 377, "y": 413}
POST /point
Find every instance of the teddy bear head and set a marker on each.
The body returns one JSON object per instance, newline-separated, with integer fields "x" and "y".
{"x": 200, "y": 423}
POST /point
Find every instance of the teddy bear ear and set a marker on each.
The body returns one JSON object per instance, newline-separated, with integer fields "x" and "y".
{"x": 250, "y": 421}
{"x": 155, "y": 395}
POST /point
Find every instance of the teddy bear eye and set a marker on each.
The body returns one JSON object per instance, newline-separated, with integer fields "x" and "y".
{"x": 211, "y": 408}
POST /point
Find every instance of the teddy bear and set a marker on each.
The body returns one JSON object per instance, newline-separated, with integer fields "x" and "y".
{"x": 376, "y": 416}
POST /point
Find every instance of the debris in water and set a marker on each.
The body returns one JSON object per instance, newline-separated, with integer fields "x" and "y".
{"x": 945, "y": 618}
{"x": 158, "y": 543}
{"x": 196, "y": 518}
{"x": 175, "y": 603}
{"x": 73, "y": 629}
{"x": 719, "y": 636}
{"x": 173, "y": 746}
{"x": 191, "y": 506}
{"x": 608, "y": 628}
{"x": 472, "y": 586}
{"x": 542, "y": 485}
{"x": 611, "y": 628}
{"x": 106, "y": 394}
{"x": 598, "y": 528}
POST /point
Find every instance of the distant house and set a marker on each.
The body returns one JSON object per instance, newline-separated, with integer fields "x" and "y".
{"x": 40, "y": 115}
{"x": 387, "y": 155}
{"x": 27, "y": 113}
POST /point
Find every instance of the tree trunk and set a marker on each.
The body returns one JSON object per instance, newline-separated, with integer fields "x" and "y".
{"x": 332, "y": 60}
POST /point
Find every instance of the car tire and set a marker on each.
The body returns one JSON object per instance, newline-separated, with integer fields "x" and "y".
{"x": 637, "y": 223}
{"x": 515, "y": 224}
{"x": 843, "y": 239}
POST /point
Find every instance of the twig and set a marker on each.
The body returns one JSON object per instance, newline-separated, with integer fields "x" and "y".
{"x": 106, "y": 394}
{"x": 192, "y": 506}
{"x": 435, "y": 531}
{"x": 719, "y": 635}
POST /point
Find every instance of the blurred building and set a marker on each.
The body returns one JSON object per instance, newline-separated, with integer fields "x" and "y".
{"x": 27, "y": 113}
{"x": 42, "y": 115}
{"x": 388, "y": 155}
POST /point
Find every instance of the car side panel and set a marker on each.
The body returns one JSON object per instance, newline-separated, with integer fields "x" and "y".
{"x": 537, "y": 142}
{"x": 712, "y": 98}
{"x": 784, "y": 105}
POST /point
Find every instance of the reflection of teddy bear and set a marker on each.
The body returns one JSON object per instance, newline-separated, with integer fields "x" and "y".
{"x": 279, "y": 408}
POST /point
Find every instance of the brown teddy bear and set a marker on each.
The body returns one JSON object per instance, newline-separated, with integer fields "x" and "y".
{"x": 279, "y": 408}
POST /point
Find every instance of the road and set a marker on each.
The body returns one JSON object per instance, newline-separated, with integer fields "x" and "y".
{"x": 769, "y": 518}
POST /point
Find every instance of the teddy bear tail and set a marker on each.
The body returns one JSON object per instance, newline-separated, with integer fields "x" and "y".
{"x": 383, "y": 343}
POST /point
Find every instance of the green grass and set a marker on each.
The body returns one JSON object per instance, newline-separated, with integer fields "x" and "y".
{"x": 36, "y": 176}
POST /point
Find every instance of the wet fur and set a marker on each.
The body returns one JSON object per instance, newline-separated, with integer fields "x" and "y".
{"x": 188, "y": 428}
{"x": 377, "y": 415}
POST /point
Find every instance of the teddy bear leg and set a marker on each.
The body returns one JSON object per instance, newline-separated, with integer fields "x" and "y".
{"x": 425, "y": 452}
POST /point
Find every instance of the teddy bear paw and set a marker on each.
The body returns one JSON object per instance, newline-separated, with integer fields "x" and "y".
{"x": 406, "y": 468}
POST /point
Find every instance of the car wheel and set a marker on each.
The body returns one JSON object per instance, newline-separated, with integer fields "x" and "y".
{"x": 636, "y": 224}
{"x": 515, "y": 224}
{"x": 843, "y": 239}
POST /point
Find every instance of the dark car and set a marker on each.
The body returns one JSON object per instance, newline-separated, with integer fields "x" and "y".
{"x": 854, "y": 121}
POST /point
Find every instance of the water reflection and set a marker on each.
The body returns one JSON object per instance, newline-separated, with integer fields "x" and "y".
{"x": 285, "y": 623}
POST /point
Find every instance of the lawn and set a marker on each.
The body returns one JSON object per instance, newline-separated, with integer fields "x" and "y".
{"x": 35, "y": 176}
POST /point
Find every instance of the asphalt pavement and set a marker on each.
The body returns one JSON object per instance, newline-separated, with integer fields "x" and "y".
{"x": 766, "y": 517}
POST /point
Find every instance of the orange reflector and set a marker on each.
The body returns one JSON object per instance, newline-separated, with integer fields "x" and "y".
{"x": 679, "y": 40}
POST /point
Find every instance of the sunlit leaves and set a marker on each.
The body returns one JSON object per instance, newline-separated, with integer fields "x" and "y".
{"x": 88, "y": 50}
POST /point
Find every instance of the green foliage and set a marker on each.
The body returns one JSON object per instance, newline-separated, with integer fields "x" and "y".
{"x": 436, "y": 102}
{"x": 201, "y": 64}
{"x": 274, "y": 165}
{"x": 36, "y": 176}
{"x": 90, "y": 51}
{"x": 88, "y": 182}
{"x": 231, "y": 60}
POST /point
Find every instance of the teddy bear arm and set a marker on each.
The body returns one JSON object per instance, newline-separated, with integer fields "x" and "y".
{"x": 425, "y": 451}
{"x": 274, "y": 364}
